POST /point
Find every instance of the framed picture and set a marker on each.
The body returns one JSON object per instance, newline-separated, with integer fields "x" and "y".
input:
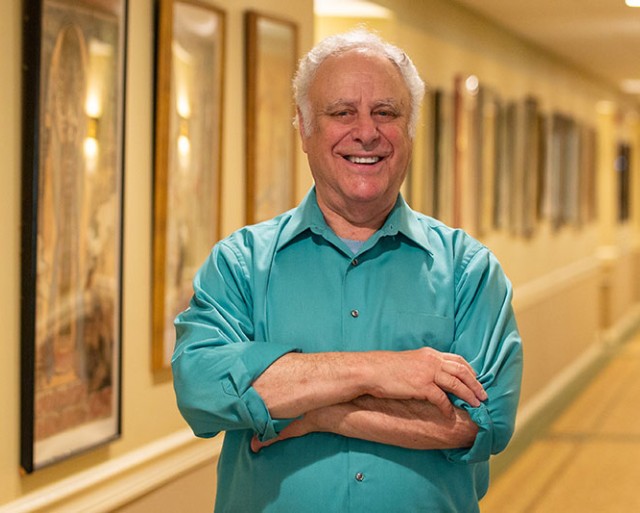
{"x": 530, "y": 167}
{"x": 188, "y": 137}
{"x": 271, "y": 139}
{"x": 623, "y": 172}
{"x": 444, "y": 157}
{"x": 73, "y": 93}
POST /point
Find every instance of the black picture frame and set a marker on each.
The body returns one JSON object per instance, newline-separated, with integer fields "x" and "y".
{"x": 74, "y": 63}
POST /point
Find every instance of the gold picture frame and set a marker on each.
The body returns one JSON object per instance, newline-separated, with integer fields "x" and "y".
{"x": 271, "y": 140}
{"x": 188, "y": 149}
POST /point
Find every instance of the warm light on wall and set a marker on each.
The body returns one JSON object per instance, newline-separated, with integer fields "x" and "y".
{"x": 472, "y": 84}
{"x": 93, "y": 109}
{"x": 184, "y": 145}
{"x": 631, "y": 86}
{"x": 632, "y": 3}
{"x": 183, "y": 107}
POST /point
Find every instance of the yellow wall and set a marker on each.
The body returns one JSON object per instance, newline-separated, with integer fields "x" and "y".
{"x": 573, "y": 288}
{"x": 148, "y": 405}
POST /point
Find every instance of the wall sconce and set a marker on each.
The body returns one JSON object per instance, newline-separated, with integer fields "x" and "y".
{"x": 93, "y": 109}
{"x": 472, "y": 85}
{"x": 184, "y": 144}
{"x": 91, "y": 145}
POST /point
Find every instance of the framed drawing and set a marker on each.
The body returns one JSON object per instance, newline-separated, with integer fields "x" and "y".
{"x": 623, "y": 172}
{"x": 188, "y": 136}
{"x": 444, "y": 156}
{"x": 73, "y": 91}
{"x": 271, "y": 140}
{"x": 530, "y": 166}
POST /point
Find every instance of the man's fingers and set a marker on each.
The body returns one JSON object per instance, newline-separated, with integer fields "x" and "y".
{"x": 457, "y": 379}
{"x": 256, "y": 444}
{"x": 439, "y": 399}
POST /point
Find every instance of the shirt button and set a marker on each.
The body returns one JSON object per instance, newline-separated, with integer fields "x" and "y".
{"x": 359, "y": 476}
{"x": 355, "y": 313}
{"x": 354, "y": 262}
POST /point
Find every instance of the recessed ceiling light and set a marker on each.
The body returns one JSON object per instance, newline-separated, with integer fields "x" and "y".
{"x": 632, "y": 3}
{"x": 351, "y": 9}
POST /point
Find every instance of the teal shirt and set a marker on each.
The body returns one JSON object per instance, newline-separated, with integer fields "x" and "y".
{"x": 290, "y": 284}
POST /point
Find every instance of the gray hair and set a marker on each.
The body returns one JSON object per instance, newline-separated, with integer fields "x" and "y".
{"x": 363, "y": 41}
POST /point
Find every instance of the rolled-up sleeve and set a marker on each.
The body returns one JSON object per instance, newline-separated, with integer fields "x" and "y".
{"x": 487, "y": 337}
{"x": 216, "y": 358}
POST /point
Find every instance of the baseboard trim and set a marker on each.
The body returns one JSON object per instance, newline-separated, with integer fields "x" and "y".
{"x": 121, "y": 480}
{"x": 538, "y": 414}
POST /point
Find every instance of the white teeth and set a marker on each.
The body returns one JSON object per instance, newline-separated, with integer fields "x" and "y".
{"x": 363, "y": 160}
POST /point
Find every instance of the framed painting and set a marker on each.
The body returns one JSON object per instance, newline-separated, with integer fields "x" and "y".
{"x": 623, "y": 172}
{"x": 531, "y": 167}
{"x": 271, "y": 140}
{"x": 444, "y": 183}
{"x": 187, "y": 166}
{"x": 71, "y": 292}
{"x": 588, "y": 190}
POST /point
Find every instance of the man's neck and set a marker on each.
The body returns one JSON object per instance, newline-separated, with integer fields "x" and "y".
{"x": 356, "y": 223}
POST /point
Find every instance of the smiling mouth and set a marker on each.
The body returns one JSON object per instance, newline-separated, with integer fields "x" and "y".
{"x": 363, "y": 160}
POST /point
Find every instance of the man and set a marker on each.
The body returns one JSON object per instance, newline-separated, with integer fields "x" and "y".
{"x": 360, "y": 356}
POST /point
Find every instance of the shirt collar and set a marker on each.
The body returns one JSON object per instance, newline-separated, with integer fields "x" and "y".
{"x": 308, "y": 216}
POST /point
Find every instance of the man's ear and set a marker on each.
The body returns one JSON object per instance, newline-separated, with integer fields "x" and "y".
{"x": 301, "y": 129}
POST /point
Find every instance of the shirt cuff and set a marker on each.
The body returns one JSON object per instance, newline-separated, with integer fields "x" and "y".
{"x": 481, "y": 449}
{"x": 265, "y": 426}
{"x": 253, "y": 362}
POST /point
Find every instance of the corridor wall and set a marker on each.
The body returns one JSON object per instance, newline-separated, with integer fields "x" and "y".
{"x": 156, "y": 447}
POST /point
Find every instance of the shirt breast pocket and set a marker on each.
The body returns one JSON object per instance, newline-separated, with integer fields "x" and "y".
{"x": 413, "y": 330}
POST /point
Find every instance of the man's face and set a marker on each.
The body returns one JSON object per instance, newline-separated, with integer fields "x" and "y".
{"x": 359, "y": 145}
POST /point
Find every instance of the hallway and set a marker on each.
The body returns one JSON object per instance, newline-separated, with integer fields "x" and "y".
{"x": 588, "y": 460}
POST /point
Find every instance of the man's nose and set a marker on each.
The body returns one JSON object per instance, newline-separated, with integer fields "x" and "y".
{"x": 365, "y": 131}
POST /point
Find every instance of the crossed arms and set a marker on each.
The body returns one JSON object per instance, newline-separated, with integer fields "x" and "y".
{"x": 397, "y": 398}
{"x": 420, "y": 398}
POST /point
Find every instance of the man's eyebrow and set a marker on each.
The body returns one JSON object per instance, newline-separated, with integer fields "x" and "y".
{"x": 340, "y": 103}
{"x": 343, "y": 102}
{"x": 388, "y": 102}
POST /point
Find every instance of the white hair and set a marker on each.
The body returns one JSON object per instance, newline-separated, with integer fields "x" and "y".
{"x": 365, "y": 42}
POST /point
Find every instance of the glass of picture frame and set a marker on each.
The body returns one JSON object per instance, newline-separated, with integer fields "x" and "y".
{"x": 271, "y": 139}
{"x": 188, "y": 157}
{"x": 73, "y": 134}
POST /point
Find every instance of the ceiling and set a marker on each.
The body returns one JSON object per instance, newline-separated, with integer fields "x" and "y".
{"x": 599, "y": 36}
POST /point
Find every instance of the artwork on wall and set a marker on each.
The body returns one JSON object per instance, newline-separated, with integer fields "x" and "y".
{"x": 271, "y": 139}
{"x": 423, "y": 168}
{"x": 187, "y": 171}
{"x": 530, "y": 165}
{"x": 623, "y": 172}
{"x": 489, "y": 164}
{"x": 588, "y": 199}
{"x": 558, "y": 161}
{"x": 73, "y": 93}
{"x": 444, "y": 184}
{"x": 489, "y": 158}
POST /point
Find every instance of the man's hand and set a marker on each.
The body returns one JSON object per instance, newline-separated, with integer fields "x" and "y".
{"x": 297, "y": 428}
{"x": 298, "y": 383}
{"x": 425, "y": 374}
{"x": 412, "y": 424}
